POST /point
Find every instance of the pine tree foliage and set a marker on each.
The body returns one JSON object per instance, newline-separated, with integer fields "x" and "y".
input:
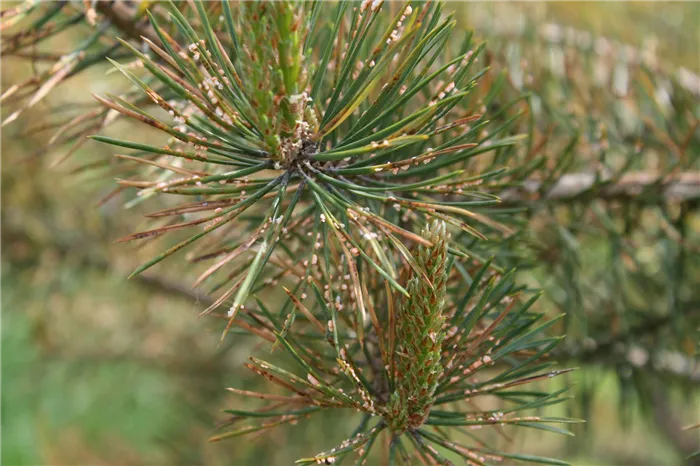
{"x": 420, "y": 364}
{"x": 616, "y": 131}
{"x": 357, "y": 144}
{"x": 376, "y": 165}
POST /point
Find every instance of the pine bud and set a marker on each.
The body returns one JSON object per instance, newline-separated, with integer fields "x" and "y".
{"x": 419, "y": 336}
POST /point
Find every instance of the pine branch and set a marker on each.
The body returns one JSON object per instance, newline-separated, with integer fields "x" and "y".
{"x": 628, "y": 349}
{"x": 175, "y": 288}
{"x": 122, "y": 16}
{"x": 635, "y": 187}
{"x": 316, "y": 167}
{"x": 647, "y": 328}
{"x": 603, "y": 48}
{"x": 81, "y": 244}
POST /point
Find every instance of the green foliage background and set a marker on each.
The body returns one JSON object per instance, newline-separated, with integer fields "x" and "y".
{"x": 98, "y": 370}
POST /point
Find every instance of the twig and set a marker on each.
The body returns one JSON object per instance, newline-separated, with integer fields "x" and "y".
{"x": 150, "y": 280}
{"x": 632, "y": 186}
{"x": 174, "y": 288}
{"x": 667, "y": 362}
{"x": 649, "y": 327}
{"x": 122, "y": 16}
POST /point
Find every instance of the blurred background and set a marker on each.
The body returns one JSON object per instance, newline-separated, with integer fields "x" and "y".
{"x": 100, "y": 370}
